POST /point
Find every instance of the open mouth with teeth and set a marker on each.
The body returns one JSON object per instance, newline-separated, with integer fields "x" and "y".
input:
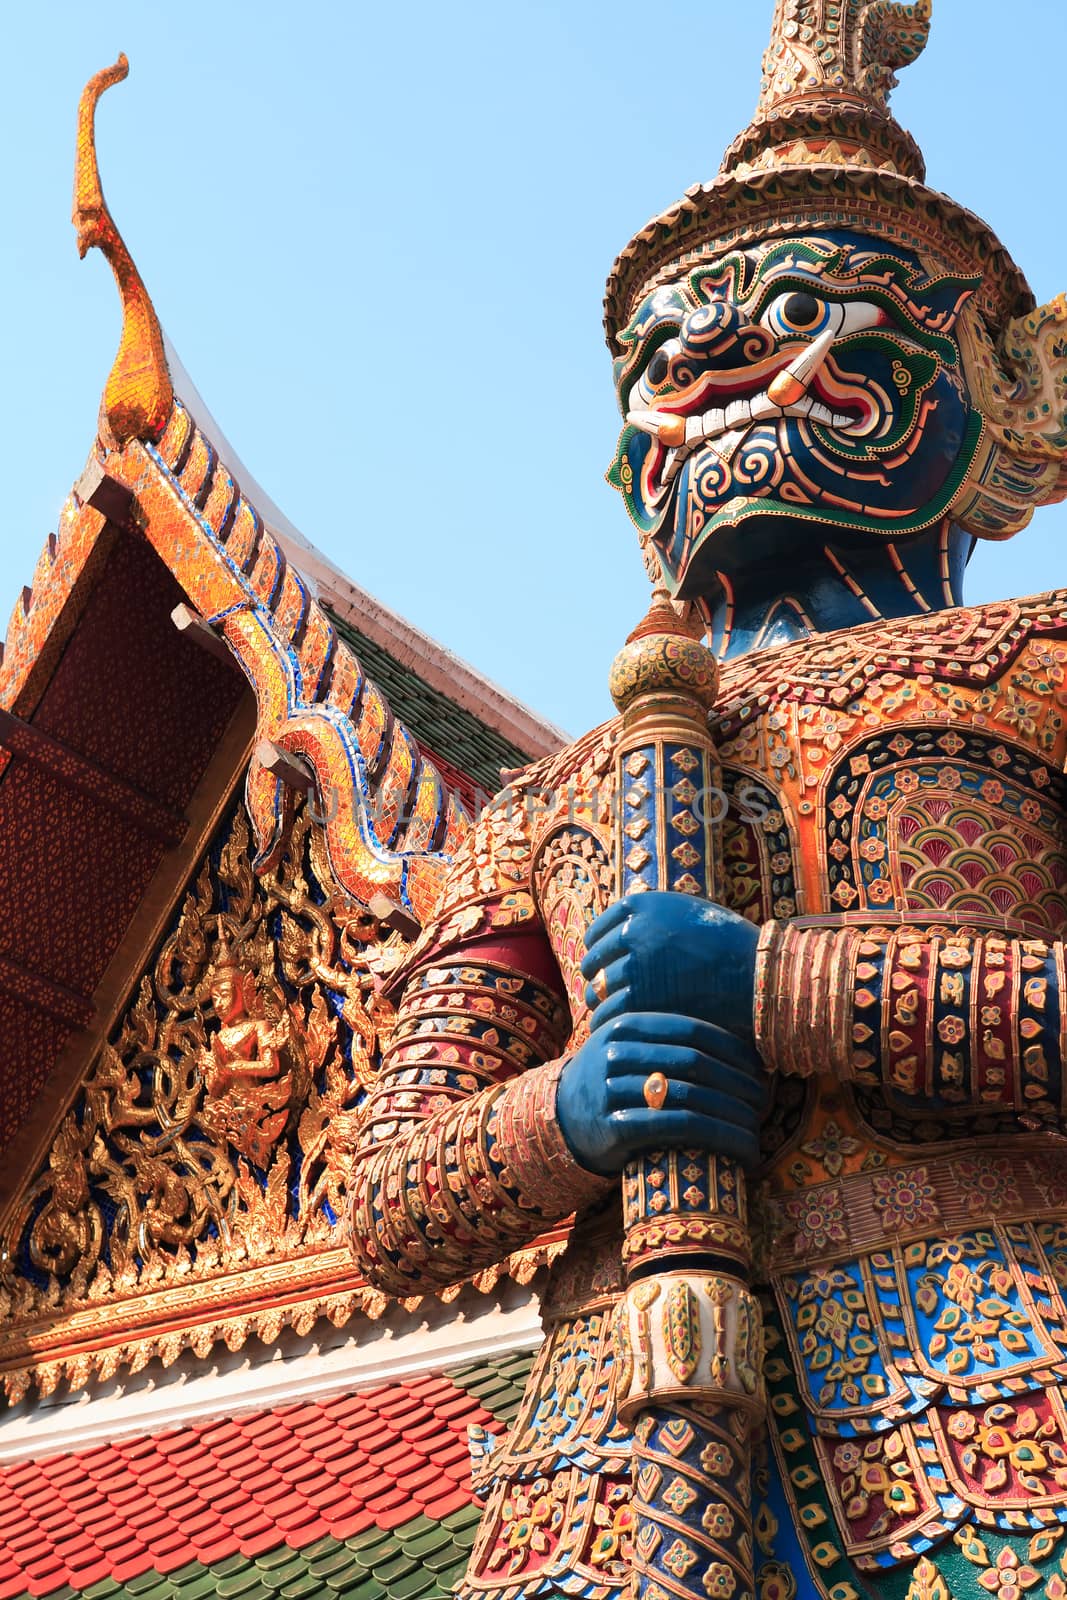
{"x": 677, "y": 435}
{"x": 860, "y": 431}
{"x": 809, "y": 388}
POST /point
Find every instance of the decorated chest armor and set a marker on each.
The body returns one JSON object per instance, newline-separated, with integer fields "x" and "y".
{"x": 833, "y": 380}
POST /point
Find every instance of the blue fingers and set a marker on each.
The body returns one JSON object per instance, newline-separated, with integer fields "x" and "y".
{"x": 653, "y": 1030}
{"x": 691, "y": 1079}
{"x": 639, "y": 1129}
{"x": 615, "y": 914}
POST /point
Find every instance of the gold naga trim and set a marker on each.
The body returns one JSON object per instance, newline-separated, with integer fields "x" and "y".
{"x": 1020, "y": 387}
{"x": 138, "y": 395}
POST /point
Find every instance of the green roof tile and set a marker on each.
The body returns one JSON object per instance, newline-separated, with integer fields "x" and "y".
{"x": 420, "y": 1560}
{"x": 465, "y": 1517}
{"x": 366, "y": 1538}
{"x": 284, "y": 1556}
{"x": 258, "y": 1591}
{"x": 339, "y": 1559}
{"x": 291, "y": 1571}
{"x": 238, "y": 1583}
{"x": 321, "y": 1547}
{"x": 370, "y": 1556}
{"x": 394, "y": 1566}
{"x": 369, "y": 1589}
{"x": 351, "y": 1578}
{"x": 193, "y": 1581}
{"x": 498, "y": 1382}
{"x": 432, "y": 717}
{"x": 442, "y": 1562}
{"x": 299, "y": 1588}
{"x": 427, "y": 1543}
{"x": 418, "y": 1526}
{"x": 161, "y": 1589}
{"x": 234, "y": 1563}
{"x": 487, "y": 1383}
{"x": 416, "y": 1583}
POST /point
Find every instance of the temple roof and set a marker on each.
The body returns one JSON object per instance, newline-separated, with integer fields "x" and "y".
{"x": 118, "y": 734}
{"x": 397, "y": 654}
{"x": 179, "y": 639}
{"x": 364, "y": 1494}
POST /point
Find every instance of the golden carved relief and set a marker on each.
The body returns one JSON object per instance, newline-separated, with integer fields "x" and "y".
{"x": 214, "y": 1129}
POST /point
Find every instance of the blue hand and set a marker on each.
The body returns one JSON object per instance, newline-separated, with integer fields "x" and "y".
{"x": 671, "y": 952}
{"x": 715, "y": 1092}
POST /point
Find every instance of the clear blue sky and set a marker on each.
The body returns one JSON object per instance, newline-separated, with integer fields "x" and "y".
{"x": 378, "y": 238}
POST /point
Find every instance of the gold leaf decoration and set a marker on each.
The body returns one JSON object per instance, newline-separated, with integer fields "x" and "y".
{"x": 216, "y": 1125}
{"x": 681, "y": 1326}
{"x": 927, "y": 1583}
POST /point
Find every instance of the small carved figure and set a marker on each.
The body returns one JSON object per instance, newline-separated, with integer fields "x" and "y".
{"x": 249, "y": 1068}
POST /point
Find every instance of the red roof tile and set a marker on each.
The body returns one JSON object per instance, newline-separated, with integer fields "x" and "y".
{"x": 207, "y": 1551}
{"x": 84, "y": 1563}
{"x": 255, "y": 1545}
{"x": 339, "y": 1444}
{"x": 444, "y": 1507}
{"x": 348, "y": 1526}
{"x": 300, "y": 1525}
{"x": 398, "y": 1515}
{"x": 26, "y": 1543}
{"x": 390, "y": 1500}
{"x": 27, "y": 1473}
{"x": 247, "y": 1484}
{"x": 330, "y": 1493}
{"x": 419, "y": 1479}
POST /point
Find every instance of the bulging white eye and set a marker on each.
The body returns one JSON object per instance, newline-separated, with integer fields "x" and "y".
{"x": 858, "y": 314}
{"x": 800, "y": 315}
{"x": 797, "y": 313}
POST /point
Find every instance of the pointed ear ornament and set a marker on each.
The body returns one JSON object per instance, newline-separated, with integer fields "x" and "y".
{"x": 1019, "y": 386}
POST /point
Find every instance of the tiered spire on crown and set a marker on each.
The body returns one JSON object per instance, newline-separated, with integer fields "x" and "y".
{"x": 824, "y": 97}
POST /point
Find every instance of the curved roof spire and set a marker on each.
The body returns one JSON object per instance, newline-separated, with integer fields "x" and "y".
{"x": 138, "y": 395}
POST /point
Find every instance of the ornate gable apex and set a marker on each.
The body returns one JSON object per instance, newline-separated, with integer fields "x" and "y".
{"x": 102, "y": 698}
{"x": 124, "y": 739}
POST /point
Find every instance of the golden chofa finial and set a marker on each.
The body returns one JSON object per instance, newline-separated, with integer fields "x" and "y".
{"x": 138, "y": 396}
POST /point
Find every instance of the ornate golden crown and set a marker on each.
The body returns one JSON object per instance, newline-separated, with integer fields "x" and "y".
{"x": 823, "y": 150}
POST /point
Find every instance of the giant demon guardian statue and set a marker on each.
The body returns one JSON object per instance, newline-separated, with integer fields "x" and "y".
{"x": 824, "y": 1029}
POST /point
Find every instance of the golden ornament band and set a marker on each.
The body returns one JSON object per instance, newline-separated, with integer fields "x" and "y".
{"x": 675, "y": 1236}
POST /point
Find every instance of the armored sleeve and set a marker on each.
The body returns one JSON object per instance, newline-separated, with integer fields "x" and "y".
{"x": 461, "y": 1158}
{"x": 946, "y": 1020}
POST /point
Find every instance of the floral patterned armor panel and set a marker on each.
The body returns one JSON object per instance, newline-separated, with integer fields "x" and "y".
{"x": 833, "y": 381}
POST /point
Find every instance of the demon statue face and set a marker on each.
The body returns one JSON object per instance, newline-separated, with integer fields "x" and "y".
{"x": 811, "y": 388}
{"x": 821, "y": 361}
